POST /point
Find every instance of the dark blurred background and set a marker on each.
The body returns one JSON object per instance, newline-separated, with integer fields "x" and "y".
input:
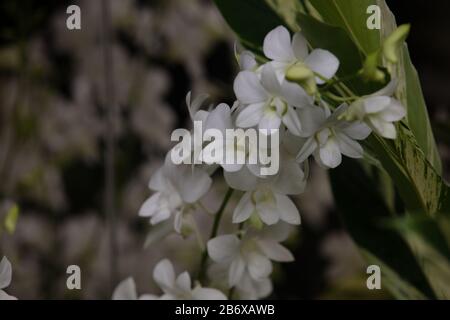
{"x": 56, "y": 97}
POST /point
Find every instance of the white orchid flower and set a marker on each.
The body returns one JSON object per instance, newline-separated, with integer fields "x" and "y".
{"x": 285, "y": 53}
{"x": 246, "y": 150}
{"x": 331, "y": 138}
{"x": 5, "y": 278}
{"x": 269, "y": 102}
{"x": 251, "y": 289}
{"x": 180, "y": 287}
{"x": 177, "y": 188}
{"x": 379, "y": 110}
{"x": 251, "y": 255}
{"x": 266, "y": 197}
{"x": 247, "y": 289}
{"x": 126, "y": 290}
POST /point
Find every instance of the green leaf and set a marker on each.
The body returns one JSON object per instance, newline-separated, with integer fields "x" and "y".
{"x": 397, "y": 286}
{"x": 340, "y": 44}
{"x": 410, "y": 94}
{"x": 251, "y": 20}
{"x": 351, "y": 16}
{"x": 364, "y": 213}
{"x": 430, "y": 240}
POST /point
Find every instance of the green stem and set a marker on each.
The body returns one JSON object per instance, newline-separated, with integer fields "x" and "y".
{"x": 338, "y": 98}
{"x": 213, "y": 234}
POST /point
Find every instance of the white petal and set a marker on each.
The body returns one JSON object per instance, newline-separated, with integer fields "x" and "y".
{"x": 168, "y": 296}
{"x": 322, "y": 62}
{"x": 383, "y": 128}
{"x": 196, "y": 104}
{"x": 277, "y": 45}
{"x": 376, "y": 104}
{"x": 162, "y": 214}
{"x": 232, "y": 167}
{"x": 269, "y": 121}
{"x": 269, "y": 80}
{"x": 223, "y": 248}
{"x": 248, "y": 88}
{"x": 292, "y": 122}
{"x": 280, "y": 69}
{"x": 275, "y": 251}
{"x": 150, "y": 206}
{"x": 394, "y": 112}
{"x": 236, "y": 271}
{"x": 258, "y": 266}
{"x": 300, "y": 46}
{"x": 164, "y": 275}
{"x": 278, "y": 232}
{"x": 201, "y": 115}
{"x": 191, "y": 182}
{"x": 295, "y": 95}
{"x": 247, "y": 60}
{"x": 312, "y": 119}
{"x": 5, "y": 273}
{"x": 357, "y": 130}
{"x": 388, "y": 90}
{"x": 267, "y": 211}
{"x": 330, "y": 155}
{"x": 5, "y": 296}
{"x": 183, "y": 282}
{"x": 290, "y": 179}
{"x": 349, "y": 147}
{"x": 158, "y": 181}
{"x": 148, "y": 296}
{"x": 250, "y": 115}
{"x": 219, "y": 118}
{"x": 244, "y": 208}
{"x": 262, "y": 288}
{"x": 307, "y": 149}
{"x": 125, "y": 290}
{"x": 287, "y": 210}
{"x": 242, "y": 180}
{"x": 207, "y": 294}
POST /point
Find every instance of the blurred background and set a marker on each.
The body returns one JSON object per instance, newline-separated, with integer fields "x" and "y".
{"x": 86, "y": 117}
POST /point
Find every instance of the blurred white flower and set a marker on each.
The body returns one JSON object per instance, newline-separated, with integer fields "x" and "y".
{"x": 284, "y": 53}
{"x": 332, "y": 137}
{"x": 5, "y": 278}
{"x": 180, "y": 288}
{"x": 379, "y": 110}
{"x": 251, "y": 289}
{"x": 251, "y": 255}
{"x": 269, "y": 102}
{"x": 126, "y": 290}
{"x": 177, "y": 188}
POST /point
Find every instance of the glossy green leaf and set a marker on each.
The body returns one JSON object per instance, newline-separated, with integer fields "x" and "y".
{"x": 364, "y": 213}
{"x": 351, "y": 16}
{"x": 429, "y": 237}
{"x": 251, "y": 20}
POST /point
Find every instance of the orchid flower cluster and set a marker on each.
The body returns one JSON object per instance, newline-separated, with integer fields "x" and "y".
{"x": 287, "y": 94}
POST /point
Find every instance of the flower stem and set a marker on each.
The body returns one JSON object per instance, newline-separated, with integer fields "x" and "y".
{"x": 340, "y": 99}
{"x": 215, "y": 228}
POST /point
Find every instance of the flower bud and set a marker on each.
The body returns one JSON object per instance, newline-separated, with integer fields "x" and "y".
{"x": 304, "y": 76}
{"x": 370, "y": 70}
{"x": 393, "y": 42}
